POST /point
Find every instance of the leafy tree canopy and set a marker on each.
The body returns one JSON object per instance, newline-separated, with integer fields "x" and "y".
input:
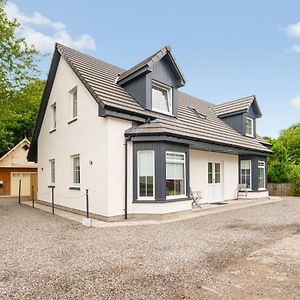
{"x": 290, "y": 138}
{"x": 20, "y": 87}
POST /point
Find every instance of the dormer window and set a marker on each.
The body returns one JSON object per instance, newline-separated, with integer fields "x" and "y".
{"x": 161, "y": 98}
{"x": 249, "y": 131}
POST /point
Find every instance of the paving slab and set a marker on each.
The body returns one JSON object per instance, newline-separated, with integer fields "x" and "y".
{"x": 206, "y": 209}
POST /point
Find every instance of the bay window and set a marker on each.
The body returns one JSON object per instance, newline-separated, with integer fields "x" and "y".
{"x": 146, "y": 177}
{"x": 175, "y": 175}
{"x": 161, "y": 98}
{"x": 261, "y": 175}
{"x": 246, "y": 173}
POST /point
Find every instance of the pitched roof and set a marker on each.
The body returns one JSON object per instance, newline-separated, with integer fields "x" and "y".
{"x": 100, "y": 79}
{"x": 189, "y": 124}
{"x": 150, "y": 61}
{"x": 235, "y": 106}
{"x": 262, "y": 140}
{"x": 24, "y": 141}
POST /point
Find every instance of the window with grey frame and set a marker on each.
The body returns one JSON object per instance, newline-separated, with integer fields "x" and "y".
{"x": 146, "y": 174}
{"x": 76, "y": 169}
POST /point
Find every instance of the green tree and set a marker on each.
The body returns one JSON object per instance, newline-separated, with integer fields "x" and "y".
{"x": 19, "y": 114}
{"x": 290, "y": 138}
{"x": 20, "y": 88}
{"x": 17, "y": 60}
{"x": 279, "y": 163}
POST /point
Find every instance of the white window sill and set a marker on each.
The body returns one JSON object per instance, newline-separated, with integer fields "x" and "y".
{"x": 145, "y": 198}
{"x": 249, "y": 135}
{"x": 163, "y": 112}
{"x": 52, "y": 130}
{"x": 72, "y": 120}
{"x": 74, "y": 187}
{"x": 176, "y": 197}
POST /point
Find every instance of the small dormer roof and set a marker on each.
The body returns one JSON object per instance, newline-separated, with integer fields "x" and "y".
{"x": 237, "y": 106}
{"x": 147, "y": 66}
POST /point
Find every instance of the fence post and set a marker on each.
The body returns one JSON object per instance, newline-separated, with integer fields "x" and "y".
{"x": 20, "y": 182}
{"x": 32, "y": 191}
{"x": 52, "y": 196}
{"x": 87, "y": 203}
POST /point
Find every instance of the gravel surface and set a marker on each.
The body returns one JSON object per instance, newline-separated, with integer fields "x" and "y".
{"x": 48, "y": 257}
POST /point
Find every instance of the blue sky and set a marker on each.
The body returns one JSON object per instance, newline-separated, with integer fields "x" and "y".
{"x": 226, "y": 49}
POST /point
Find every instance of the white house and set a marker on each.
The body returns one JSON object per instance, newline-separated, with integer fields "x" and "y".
{"x": 137, "y": 143}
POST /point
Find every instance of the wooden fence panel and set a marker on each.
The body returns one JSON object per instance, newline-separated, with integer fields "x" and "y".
{"x": 281, "y": 189}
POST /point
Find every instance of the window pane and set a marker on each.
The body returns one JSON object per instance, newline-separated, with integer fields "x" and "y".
{"x": 143, "y": 186}
{"x": 175, "y": 170}
{"x": 217, "y": 178}
{"x": 76, "y": 169}
{"x": 160, "y": 98}
{"x": 175, "y": 174}
{"x": 75, "y": 104}
{"x": 52, "y": 171}
{"x": 150, "y": 186}
{"x": 175, "y": 187}
{"x": 146, "y": 163}
{"x": 210, "y": 178}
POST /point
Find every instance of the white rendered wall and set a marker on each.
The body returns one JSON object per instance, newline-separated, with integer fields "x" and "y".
{"x": 199, "y": 169}
{"x": 87, "y": 136}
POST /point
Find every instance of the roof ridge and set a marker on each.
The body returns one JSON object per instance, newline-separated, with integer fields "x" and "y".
{"x": 88, "y": 55}
{"x": 235, "y": 100}
{"x": 145, "y": 61}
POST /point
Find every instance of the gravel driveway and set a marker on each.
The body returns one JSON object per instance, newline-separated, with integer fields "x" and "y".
{"x": 48, "y": 257}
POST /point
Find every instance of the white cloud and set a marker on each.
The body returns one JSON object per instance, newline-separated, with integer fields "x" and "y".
{"x": 296, "y": 102}
{"x": 296, "y": 48}
{"x": 31, "y": 30}
{"x": 293, "y": 30}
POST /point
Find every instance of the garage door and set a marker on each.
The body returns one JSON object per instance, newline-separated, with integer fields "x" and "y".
{"x": 25, "y": 184}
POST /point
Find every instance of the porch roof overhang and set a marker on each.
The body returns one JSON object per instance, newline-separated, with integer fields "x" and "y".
{"x": 198, "y": 144}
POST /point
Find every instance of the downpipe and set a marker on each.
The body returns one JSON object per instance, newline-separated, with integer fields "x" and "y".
{"x": 126, "y": 179}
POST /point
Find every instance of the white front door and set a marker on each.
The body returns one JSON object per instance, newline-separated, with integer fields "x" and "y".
{"x": 25, "y": 184}
{"x": 215, "y": 185}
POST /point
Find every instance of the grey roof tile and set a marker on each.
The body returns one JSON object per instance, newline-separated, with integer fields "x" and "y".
{"x": 100, "y": 77}
{"x": 237, "y": 105}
